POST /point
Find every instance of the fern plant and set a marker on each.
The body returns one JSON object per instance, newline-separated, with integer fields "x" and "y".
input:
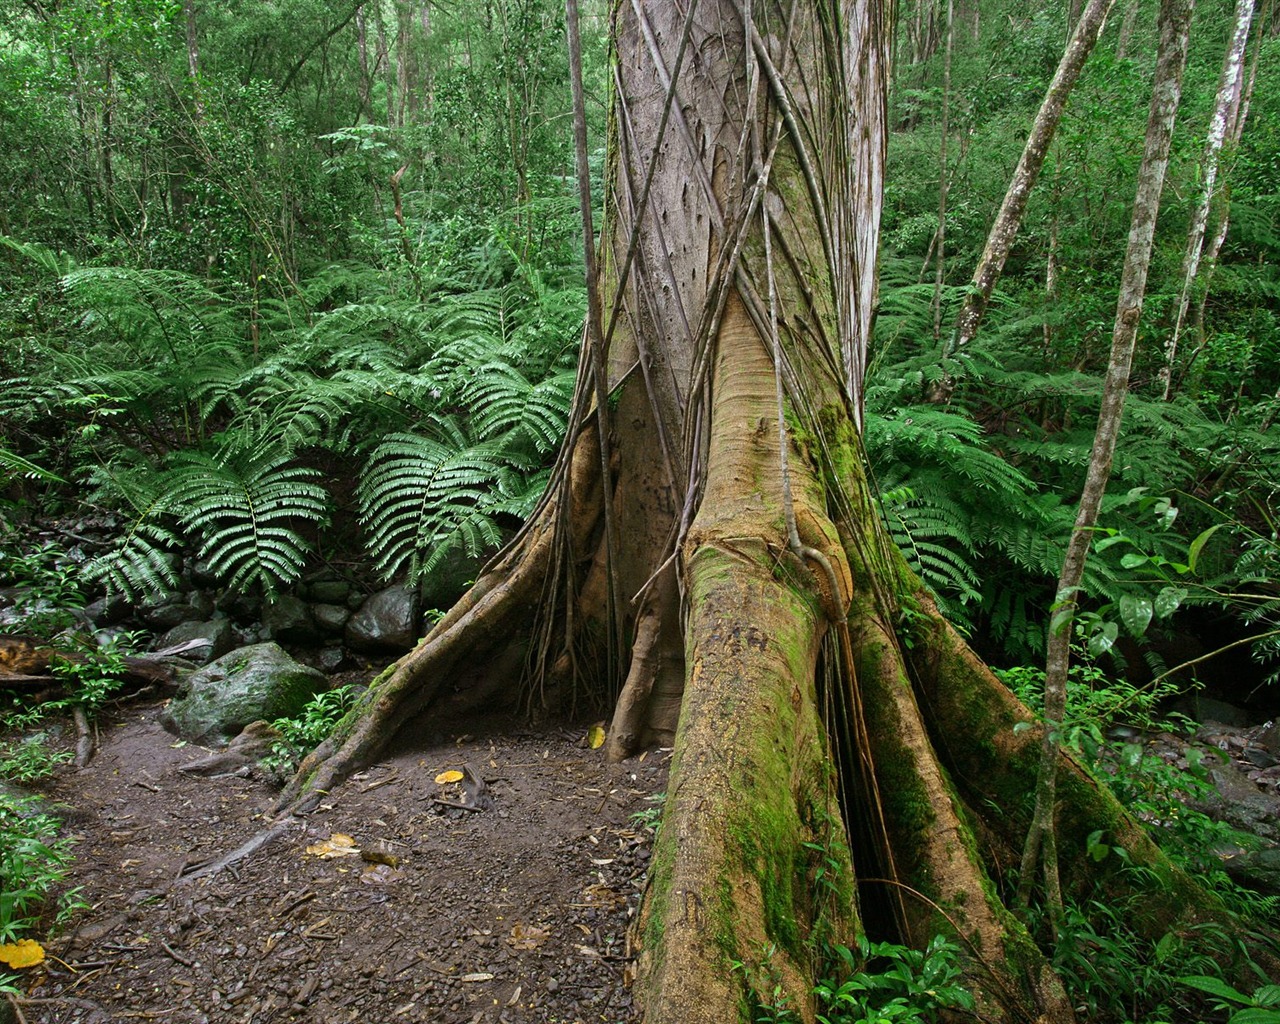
{"x": 246, "y": 510}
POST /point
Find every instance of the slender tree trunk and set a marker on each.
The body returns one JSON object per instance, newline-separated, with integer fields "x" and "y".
{"x": 1238, "y": 116}
{"x": 940, "y": 272}
{"x": 193, "y": 57}
{"x": 1009, "y": 219}
{"x": 366, "y": 80}
{"x": 1175, "y": 24}
{"x": 1127, "y": 24}
{"x": 1229, "y": 90}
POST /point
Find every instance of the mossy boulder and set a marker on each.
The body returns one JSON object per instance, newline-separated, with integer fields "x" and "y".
{"x": 252, "y": 683}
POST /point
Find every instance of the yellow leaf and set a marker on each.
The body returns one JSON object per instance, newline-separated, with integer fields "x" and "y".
{"x": 595, "y": 737}
{"x": 23, "y": 953}
{"x": 452, "y": 775}
{"x": 337, "y": 845}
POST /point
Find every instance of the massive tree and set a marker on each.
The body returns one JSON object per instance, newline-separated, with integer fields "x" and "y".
{"x": 709, "y": 555}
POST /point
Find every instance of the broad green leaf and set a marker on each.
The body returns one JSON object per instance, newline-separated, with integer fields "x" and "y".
{"x": 1133, "y": 559}
{"x": 1197, "y": 545}
{"x": 1168, "y": 600}
{"x": 1215, "y": 987}
{"x": 1256, "y": 1015}
{"x": 1135, "y": 613}
{"x": 1103, "y": 638}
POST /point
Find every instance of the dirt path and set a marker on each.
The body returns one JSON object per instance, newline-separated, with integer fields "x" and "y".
{"x": 514, "y": 912}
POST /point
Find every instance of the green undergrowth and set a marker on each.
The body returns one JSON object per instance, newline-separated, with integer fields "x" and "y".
{"x": 1103, "y": 950}
{"x": 867, "y": 983}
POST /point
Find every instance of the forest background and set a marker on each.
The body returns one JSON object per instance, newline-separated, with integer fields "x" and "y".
{"x": 333, "y": 256}
{"x": 285, "y": 285}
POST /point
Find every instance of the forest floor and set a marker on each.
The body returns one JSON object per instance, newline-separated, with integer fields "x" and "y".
{"x": 517, "y": 910}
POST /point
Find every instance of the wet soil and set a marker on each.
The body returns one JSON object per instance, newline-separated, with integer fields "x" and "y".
{"x": 513, "y": 909}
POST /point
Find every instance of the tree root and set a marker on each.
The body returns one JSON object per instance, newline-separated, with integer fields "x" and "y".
{"x": 496, "y": 609}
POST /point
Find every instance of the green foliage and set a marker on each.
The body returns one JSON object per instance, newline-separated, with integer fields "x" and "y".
{"x": 33, "y": 864}
{"x": 308, "y": 728}
{"x": 884, "y": 983}
{"x": 47, "y": 586}
{"x": 1262, "y": 1007}
{"x": 91, "y": 668}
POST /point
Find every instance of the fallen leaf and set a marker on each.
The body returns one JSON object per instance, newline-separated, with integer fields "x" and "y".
{"x": 380, "y": 874}
{"x": 452, "y": 775}
{"x": 481, "y": 976}
{"x": 23, "y": 953}
{"x": 595, "y": 737}
{"x": 526, "y": 936}
{"x": 337, "y": 845}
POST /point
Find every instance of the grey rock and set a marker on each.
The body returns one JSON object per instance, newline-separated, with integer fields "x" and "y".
{"x": 331, "y": 618}
{"x": 1255, "y": 869}
{"x": 166, "y": 616}
{"x": 252, "y": 683}
{"x": 388, "y": 621}
{"x": 218, "y": 632}
{"x": 201, "y": 575}
{"x": 107, "y": 611}
{"x": 330, "y": 659}
{"x": 288, "y": 619}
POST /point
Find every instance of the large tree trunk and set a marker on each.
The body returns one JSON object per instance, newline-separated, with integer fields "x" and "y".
{"x": 699, "y": 552}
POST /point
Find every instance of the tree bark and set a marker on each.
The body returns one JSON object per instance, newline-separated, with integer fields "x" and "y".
{"x": 756, "y": 590}
{"x": 1175, "y": 25}
{"x": 1005, "y": 229}
{"x": 1230, "y": 87}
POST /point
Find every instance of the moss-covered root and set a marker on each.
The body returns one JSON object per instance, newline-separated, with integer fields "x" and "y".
{"x": 732, "y": 880}
{"x": 973, "y": 717}
{"x": 499, "y": 606}
{"x": 934, "y": 850}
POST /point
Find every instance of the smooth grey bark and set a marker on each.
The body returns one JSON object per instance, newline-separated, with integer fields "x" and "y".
{"x": 1230, "y": 86}
{"x": 1175, "y": 25}
{"x": 940, "y": 272}
{"x": 1009, "y": 219}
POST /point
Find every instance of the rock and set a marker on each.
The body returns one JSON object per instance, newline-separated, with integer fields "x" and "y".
{"x": 216, "y": 631}
{"x": 330, "y": 659}
{"x": 1255, "y": 869}
{"x": 330, "y": 591}
{"x": 107, "y": 611}
{"x": 252, "y": 683}
{"x": 331, "y": 618}
{"x": 201, "y": 575}
{"x": 1206, "y": 709}
{"x": 388, "y": 621}
{"x": 288, "y": 619}
{"x": 239, "y": 604}
{"x": 166, "y": 616}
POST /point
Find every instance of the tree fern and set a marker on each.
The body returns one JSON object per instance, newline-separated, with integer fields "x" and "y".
{"x": 246, "y": 510}
{"x": 424, "y": 498}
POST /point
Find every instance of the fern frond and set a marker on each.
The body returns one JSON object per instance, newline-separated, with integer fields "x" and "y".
{"x": 425, "y": 497}
{"x": 245, "y": 510}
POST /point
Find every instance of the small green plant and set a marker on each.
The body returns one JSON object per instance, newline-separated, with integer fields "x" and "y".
{"x": 33, "y": 863}
{"x": 764, "y": 989}
{"x": 91, "y": 670}
{"x": 1263, "y": 1007}
{"x": 47, "y": 588}
{"x": 884, "y": 983}
{"x": 311, "y": 726}
{"x": 649, "y": 818}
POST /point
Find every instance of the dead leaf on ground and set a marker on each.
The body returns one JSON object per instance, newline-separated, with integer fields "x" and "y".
{"x": 452, "y": 775}
{"x": 527, "y": 936}
{"x": 595, "y": 736}
{"x": 23, "y": 953}
{"x": 479, "y": 976}
{"x": 337, "y": 845}
{"x": 380, "y": 874}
